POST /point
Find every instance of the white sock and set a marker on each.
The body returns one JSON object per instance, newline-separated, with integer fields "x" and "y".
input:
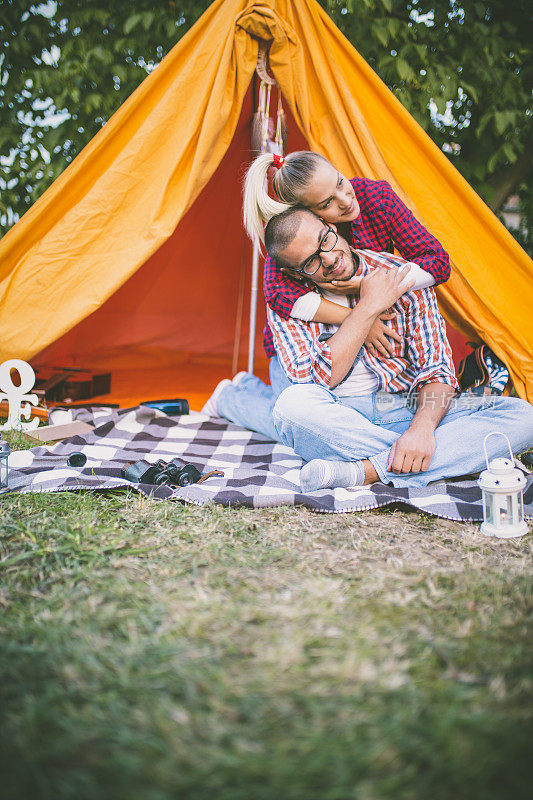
{"x": 319, "y": 474}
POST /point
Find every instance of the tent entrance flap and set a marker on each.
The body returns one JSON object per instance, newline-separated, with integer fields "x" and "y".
{"x": 181, "y": 142}
{"x": 180, "y": 310}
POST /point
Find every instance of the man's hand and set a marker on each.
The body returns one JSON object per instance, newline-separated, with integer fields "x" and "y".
{"x": 382, "y": 287}
{"x": 413, "y": 451}
{"x": 377, "y": 342}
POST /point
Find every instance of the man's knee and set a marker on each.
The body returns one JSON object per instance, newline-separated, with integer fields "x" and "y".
{"x": 522, "y": 412}
{"x": 517, "y": 409}
{"x": 298, "y": 400}
{"x": 515, "y": 419}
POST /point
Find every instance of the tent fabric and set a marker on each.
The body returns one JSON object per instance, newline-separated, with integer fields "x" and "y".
{"x": 153, "y": 201}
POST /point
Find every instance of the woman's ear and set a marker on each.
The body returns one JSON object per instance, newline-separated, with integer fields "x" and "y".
{"x": 330, "y": 224}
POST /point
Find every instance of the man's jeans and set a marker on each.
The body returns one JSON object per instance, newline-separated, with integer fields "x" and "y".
{"x": 251, "y": 402}
{"x": 316, "y": 424}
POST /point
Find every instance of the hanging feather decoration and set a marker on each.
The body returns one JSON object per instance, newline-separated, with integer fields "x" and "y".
{"x": 282, "y": 132}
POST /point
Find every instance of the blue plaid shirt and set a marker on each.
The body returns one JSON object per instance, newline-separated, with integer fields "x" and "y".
{"x": 423, "y": 356}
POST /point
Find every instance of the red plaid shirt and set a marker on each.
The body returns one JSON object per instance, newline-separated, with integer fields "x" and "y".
{"x": 384, "y": 223}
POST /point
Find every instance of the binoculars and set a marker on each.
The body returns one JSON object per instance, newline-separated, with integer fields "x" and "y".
{"x": 175, "y": 473}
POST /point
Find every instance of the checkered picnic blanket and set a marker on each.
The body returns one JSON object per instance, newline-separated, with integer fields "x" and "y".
{"x": 257, "y": 472}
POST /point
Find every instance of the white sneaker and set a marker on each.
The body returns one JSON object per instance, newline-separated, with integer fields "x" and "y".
{"x": 210, "y": 407}
{"x": 238, "y": 377}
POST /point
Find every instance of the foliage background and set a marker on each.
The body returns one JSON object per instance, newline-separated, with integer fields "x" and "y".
{"x": 463, "y": 69}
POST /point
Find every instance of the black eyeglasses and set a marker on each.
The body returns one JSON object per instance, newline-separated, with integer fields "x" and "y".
{"x": 313, "y": 263}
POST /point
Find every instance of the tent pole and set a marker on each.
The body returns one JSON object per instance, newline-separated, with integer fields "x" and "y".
{"x": 262, "y": 116}
{"x": 253, "y": 308}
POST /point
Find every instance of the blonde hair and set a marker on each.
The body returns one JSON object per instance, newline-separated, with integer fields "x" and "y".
{"x": 289, "y": 182}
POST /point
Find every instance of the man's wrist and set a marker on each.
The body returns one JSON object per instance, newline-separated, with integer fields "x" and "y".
{"x": 367, "y": 310}
{"x": 424, "y": 422}
{"x": 433, "y": 403}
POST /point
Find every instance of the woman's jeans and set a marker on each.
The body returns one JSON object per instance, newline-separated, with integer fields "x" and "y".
{"x": 250, "y": 403}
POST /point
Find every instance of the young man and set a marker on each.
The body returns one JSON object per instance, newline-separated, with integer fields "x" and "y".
{"x": 358, "y": 419}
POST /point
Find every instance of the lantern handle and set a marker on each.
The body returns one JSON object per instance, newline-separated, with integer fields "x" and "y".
{"x": 496, "y": 433}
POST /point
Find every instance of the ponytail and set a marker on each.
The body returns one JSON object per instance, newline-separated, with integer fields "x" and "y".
{"x": 294, "y": 173}
{"x": 258, "y": 207}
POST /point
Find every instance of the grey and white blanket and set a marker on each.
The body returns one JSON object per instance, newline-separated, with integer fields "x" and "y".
{"x": 257, "y": 472}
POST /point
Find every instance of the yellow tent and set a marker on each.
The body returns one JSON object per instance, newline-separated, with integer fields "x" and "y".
{"x": 136, "y": 258}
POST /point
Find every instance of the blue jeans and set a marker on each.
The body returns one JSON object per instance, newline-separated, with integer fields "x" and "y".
{"x": 251, "y": 402}
{"x": 316, "y": 424}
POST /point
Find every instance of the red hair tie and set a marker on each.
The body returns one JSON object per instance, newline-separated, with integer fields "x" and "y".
{"x": 278, "y": 161}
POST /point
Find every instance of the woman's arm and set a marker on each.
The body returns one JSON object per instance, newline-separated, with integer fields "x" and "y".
{"x": 331, "y": 313}
{"x": 288, "y": 298}
{"x": 313, "y": 308}
{"x": 280, "y": 291}
{"x": 412, "y": 240}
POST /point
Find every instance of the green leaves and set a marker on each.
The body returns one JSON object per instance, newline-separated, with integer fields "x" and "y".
{"x": 145, "y": 19}
{"x": 504, "y": 120}
{"x": 470, "y": 61}
{"x": 404, "y": 69}
{"x": 381, "y": 34}
{"x": 131, "y": 23}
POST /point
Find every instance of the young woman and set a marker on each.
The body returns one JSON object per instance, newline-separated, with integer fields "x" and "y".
{"x": 370, "y": 216}
{"x": 367, "y": 213}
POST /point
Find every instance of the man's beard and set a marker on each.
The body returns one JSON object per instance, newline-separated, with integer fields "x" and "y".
{"x": 355, "y": 266}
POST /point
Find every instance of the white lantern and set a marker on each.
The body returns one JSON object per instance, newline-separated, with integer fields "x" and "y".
{"x": 4, "y": 455}
{"x": 502, "y": 487}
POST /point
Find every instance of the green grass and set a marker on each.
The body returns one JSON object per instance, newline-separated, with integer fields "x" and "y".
{"x": 152, "y": 651}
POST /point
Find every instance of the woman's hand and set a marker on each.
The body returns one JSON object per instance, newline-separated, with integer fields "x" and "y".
{"x": 350, "y": 286}
{"x": 377, "y": 342}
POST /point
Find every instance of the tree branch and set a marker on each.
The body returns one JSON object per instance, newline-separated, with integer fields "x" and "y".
{"x": 506, "y": 183}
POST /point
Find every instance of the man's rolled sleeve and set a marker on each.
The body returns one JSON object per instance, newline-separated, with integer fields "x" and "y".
{"x": 438, "y": 373}
{"x": 429, "y": 352}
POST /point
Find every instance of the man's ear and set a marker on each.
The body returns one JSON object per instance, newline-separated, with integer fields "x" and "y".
{"x": 297, "y": 276}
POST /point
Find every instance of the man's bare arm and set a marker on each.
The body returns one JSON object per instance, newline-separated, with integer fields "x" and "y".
{"x": 379, "y": 290}
{"x": 413, "y": 450}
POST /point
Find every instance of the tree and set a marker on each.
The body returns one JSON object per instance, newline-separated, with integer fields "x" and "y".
{"x": 65, "y": 68}
{"x": 463, "y": 69}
